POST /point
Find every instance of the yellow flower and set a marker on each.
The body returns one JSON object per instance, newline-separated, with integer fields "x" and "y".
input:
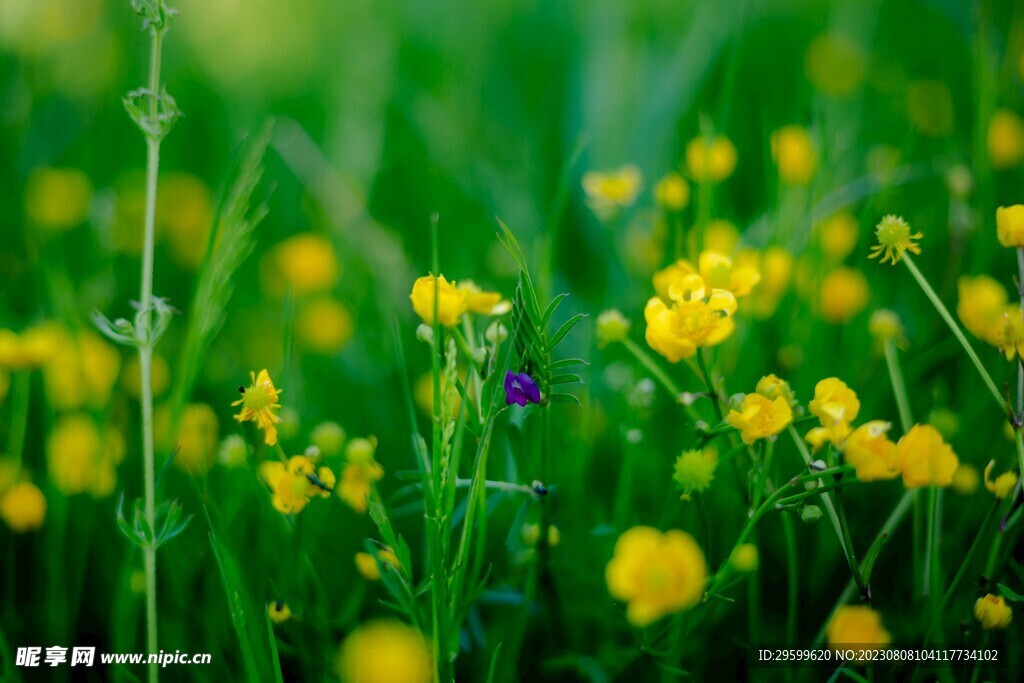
{"x": 656, "y": 573}
{"x": 360, "y": 473}
{"x": 744, "y": 558}
{"x": 836, "y": 406}
{"x": 82, "y": 373}
{"x": 608, "y": 191}
{"x": 1010, "y": 225}
{"x": 885, "y": 326}
{"x": 1005, "y": 139}
{"x": 23, "y": 507}
{"x": 693, "y": 319}
{"x": 672, "y": 192}
{"x": 385, "y": 651}
{"x": 719, "y": 272}
{"x": 305, "y": 262}
{"x": 184, "y": 215}
{"x": 1010, "y": 335}
{"x": 992, "y": 612}
{"x": 259, "y": 401}
{"x": 760, "y": 418}
{"x": 82, "y": 460}
{"x": 367, "y": 563}
{"x": 451, "y": 302}
{"x": 794, "y": 154}
{"x": 982, "y": 302}
{"x": 721, "y": 236}
{"x": 856, "y": 626}
{"x": 925, "y": 459}
{"x": 838, "y": 235}
{"x": 1003, "y": 484}
{"x": 710, "y": 158}
{"x": 294, "y": 483}
{"x": 33, "y": 348}
{"x": 870, "y": 451}
{"x": 57, "y": 199}
{"x": 894, "y": 238}
{"x": 772, "y": 387}
{"x": 612, "y": 327}
{"x": 278, "y": 612}
{"x": 694, "y": 471}
{"x": 965, "y": 479}
{"x": 324, "y": 325}
{"x": 835, "y": 64}
{"x": 844, "y": 294}
{"x": 196, "y": 445}
{"x": 485, "y": 303}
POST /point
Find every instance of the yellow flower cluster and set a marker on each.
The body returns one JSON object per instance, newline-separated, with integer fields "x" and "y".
{"x": 692, "y": 319}
{"x": 656, "y": 573}
{"x": 295, "y": 483}
{"x": 794, "y": 155}
{"x": 710, "y": 158}
{"x": 81, "y": 458}
{"x": 360, "y": 473}
{"x": 764, "y": 413}
{"x": 370, "y": 564}
{"x": 452, "y": 300}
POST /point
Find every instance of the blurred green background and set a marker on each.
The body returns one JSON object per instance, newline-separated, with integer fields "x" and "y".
{"x": 388, "y": 112}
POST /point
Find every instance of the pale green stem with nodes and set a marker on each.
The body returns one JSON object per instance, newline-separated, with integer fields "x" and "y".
{"x": 1018, "y": 434}
{"x": 955, "y": 328}
{"x": 146, "y": 348}
{"x": 838, "y": 518}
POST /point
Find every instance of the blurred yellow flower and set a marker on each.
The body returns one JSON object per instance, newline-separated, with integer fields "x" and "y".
{"x": 844, "y": 293}
{"x": 82, "y": 460}
{"x": 835, "y": 64}
{"x": 451, "y": 303}
{"x": 744, "y": 558}
{"x": 196, "y": 444}
{"x": 870, "y": 451}
{"x": 772, "y": 387}
{"x": 23, "y": 507}
{"x": 295, "y": 483}
{"x": 324, "y": 325}
{"x": 694, "y": 470}
{"x": 966, "y": 479}
{"x": 83, "y": 371}
{"x": 1010, "y": 334}
{"x": 930, "y": 107}
{"x": 693, "y": 319}
{"x": 794, "y": 154}
{"x": 33, "y": 348}
{"x": 608, "y": 191}
{"x": 759, "y": 417}
{"x": 992, "y": 612}
{"x": 656, "y": 573}
{"x": 259, "y": 402}
{"x": 184, "y": 214}
{"x": 131, "y": 376}
{"x": 1010, "y": 225}
{"x": 672, "y": 192}
{"x": 894, "y": 238}
{"x": 367, "y": 563}
{"x": 885, "y": 325}
{"x": 717, "y": 270}
{"x": 710, "y": 158}
{"x": 925, "y": 459}
{"x": 856, "y": 626}
{"x": 776, "y": 268}
{"x": 1003, "y": 484}
{"x": 484, "y": 303}
{"x": 721, "y": 236}
{"x": 981, "y": 306}
{"x": 836, "y": 406}
{"x": 305, "y": 262}
{"x": 360, "y": 473}
{"x": 612, "y": 327}
{"x": 278, "y": 612}
{"x": 838, "y": 235}
{"x": 57, "y": 199}
{"x": 385, "y": 651}
{"x": 1005, "y": 139}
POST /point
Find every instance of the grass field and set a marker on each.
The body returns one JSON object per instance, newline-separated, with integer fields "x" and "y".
{"x": 723, "y": 359}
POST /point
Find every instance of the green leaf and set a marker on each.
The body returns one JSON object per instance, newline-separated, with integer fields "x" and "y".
{"x": 275, "y": 660}
{"x": 564, "y": 398}
{"x": 1009, "y": 594}
{"x": 565, "y": 379}
{"x": 236, "y": 595}
{"x": 564, "y": 330}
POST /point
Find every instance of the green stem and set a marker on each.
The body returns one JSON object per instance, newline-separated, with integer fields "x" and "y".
{"x": 792, "y": 580}
{"x": 899, "y": 387}
{"x": 20, "y": 395}
{"x": 709, "y": 384}
{"x": 957, "y": 332}
{"x": 838, "y": 520}
{"x": 146, "y": 349}
{"x": 645, "y": 359}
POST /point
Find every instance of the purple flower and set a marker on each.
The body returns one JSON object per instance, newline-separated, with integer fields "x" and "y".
{"x": 520, "y": 389}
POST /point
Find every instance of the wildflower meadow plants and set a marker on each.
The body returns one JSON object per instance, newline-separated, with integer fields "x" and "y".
{"x": 651, "y": 342}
